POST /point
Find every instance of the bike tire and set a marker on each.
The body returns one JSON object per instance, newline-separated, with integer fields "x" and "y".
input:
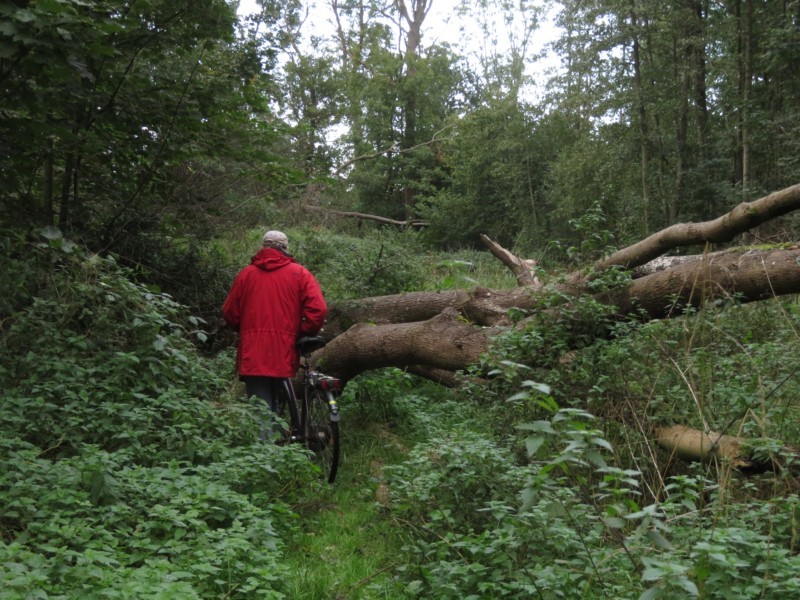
{"x": 321, "y": 432}
{"x": 287, "y": 410}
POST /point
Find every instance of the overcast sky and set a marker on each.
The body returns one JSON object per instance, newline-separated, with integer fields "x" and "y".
{"x": 443, "y": 25}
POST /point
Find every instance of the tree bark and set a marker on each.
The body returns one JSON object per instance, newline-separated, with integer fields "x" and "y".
{"x": 694, "y": 445}
{"x": 414, "y": 19}
{"x": 444, "y": 342}
{"x": 456, "y": 338}
{"x": 644, "y": 130}
{"x": 523, "y": 270}
{"x": 488, "y": 307}
{"x": 743, "y": 217}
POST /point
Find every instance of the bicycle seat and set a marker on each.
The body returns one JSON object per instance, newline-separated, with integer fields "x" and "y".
{"x": 307, "y": 344}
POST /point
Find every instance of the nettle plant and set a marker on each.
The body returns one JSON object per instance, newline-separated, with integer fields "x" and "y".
{"x": 91, "y": 357}
{"x": 566, "y": 522}
{"x": 126, "y": 467}
{"x": 483, "y": 524}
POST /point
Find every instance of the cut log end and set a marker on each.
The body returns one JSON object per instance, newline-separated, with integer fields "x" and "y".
{"x": 693, "y": 445}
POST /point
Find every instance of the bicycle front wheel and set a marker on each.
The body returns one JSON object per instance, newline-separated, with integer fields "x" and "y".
{"x": 322, "y": 431}
{"x": 287, "y": 410}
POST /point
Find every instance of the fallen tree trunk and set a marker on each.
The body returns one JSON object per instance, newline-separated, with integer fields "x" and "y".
{"x": 749, "y": 274}
{"x": 457, "y": 338}
{"x": 743, "y": 276}
{"x": 490, "y": 305}
{"x": 436, "y": 334}
{"x": 444, "y": 342}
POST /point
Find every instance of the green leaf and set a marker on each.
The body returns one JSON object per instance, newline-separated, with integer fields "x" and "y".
{"x": 25, "y": 16}
{"x": 532, "y": 444}
{"x": 518, "y": 396}
{"x": 602, "y": 443}
{"x": 659, "y": 541}
{"x": 542, "y": 426}
{"x": 688, "y": 585}
{"x": 652, "y": 574}
{"x": 614, "y": 522}
{"x": 51, "y": 233}
{"x": 650, "y": 593}
{"x": 539, "y": 387}
{"x": 595, "y": 458}
{"x": 8, "y": 28}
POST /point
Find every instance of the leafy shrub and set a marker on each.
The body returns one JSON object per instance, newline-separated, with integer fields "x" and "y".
{"x": 380, "y": 263}
{"x": 730, "y": 368}
{"x": 474, "y": 535}
{"x": 93, "y": 523}
{"x": 94, "y": 358}
{"x": 567, "y": 523}
{"x": 126, "y": 469}
{"x": 458, "y": 469}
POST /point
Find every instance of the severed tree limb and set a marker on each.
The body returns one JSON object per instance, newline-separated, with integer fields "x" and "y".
{"x": 368, "y": 217}
{"x": 523, "y": 269}
{"x": 743, "y": 217}
{"x": 693, "y": 445}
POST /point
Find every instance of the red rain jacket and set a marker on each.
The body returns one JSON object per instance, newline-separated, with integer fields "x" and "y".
{"x": 273, "y": 301}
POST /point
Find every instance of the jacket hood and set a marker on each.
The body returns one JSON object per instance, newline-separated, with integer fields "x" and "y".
{"x": 270, "y": 259}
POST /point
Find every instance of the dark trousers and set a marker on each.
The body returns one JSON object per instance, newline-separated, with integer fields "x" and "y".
{"x": 265, "y": 390}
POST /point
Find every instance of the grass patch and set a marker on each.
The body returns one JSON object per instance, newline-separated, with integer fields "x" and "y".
{"x": 347, "y": 547}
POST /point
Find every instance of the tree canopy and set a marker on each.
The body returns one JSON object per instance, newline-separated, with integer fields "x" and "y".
{"x": 656, "y": 114}
{"x": 146, "y": 145}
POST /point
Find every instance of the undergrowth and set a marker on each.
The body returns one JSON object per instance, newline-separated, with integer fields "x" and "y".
{"x": 126, "y": 469}
{"x": 380, "y": 262}
{"x": 555, "y": 502}
{"x": 130, "y": 467}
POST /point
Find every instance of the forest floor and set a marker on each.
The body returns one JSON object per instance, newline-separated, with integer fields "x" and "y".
{"x": 346, "y": 546}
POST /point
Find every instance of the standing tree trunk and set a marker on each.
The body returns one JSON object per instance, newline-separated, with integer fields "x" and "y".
{"x": 747, "y": 91}
{"x": 351, "y": 53}
{"x": 414, "y": 19}
{"x": 644, "y": 131}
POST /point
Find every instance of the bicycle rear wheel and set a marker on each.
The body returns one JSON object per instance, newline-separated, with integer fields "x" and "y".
{"x": 321, "y": 431}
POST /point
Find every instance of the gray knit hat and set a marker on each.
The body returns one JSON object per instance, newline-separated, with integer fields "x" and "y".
{"x": 275, "y": 239}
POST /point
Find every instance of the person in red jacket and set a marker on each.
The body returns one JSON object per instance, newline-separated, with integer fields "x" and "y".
{"x": 273, "y": 301}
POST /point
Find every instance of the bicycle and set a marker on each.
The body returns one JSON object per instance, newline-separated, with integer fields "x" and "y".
{"x": 316, "y": 423}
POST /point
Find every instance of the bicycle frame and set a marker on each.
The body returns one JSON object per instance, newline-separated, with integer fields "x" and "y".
{"x": 314, "y": 418}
